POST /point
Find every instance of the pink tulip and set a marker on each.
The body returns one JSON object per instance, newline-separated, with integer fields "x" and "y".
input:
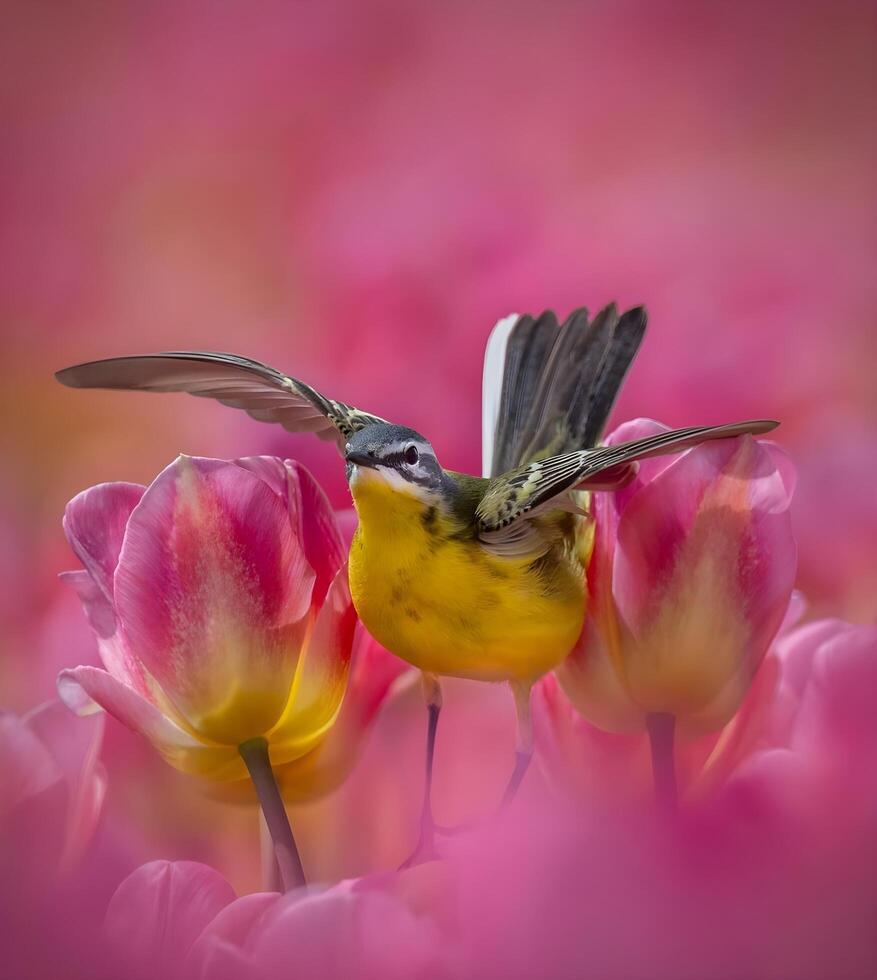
{"x": 219, "y": 599}
{"x": 690, "y": 578}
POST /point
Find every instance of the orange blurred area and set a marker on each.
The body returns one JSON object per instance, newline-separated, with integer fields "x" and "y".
{"x": 355, "y": 192}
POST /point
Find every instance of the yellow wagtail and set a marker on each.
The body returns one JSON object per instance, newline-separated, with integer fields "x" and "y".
{"x": 462, "y": 576}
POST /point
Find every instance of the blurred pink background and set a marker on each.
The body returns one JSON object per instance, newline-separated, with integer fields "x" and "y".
{"x": 355, "y": 192}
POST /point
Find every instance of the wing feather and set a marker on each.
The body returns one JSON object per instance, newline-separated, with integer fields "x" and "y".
{"x": 239, "y": 382}
{"x": 515, "y": 498}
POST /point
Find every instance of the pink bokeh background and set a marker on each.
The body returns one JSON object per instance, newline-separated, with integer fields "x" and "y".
{"x": 354, "y": 192}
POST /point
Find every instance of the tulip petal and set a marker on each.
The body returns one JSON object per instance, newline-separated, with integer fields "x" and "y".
{"x": 326, "y": 766}
{"x": 33, "y": 808}
{"x": 647, "y": 469}
{"x": 85, "y": 689}
{"x": 322, "y": 539}
{"x": 343, "y": 932}
{"x": 837, "y": 715}
{"x": 123, "y": 703}
{"x": 311, "y": 514}
{"x": 702, "y": 578}
{"x": 322, "y": 679}
{"x": 213, "y": 590}
{"x": 75, "y": 745}
{"x": 159, "y": 910}
{"x": 797, "y": 648}
{"x": 95, "y": 522}
{"x": 218, "y": 950}
{"x": 582, "y": 759}
{"x": 27, "y": 767}
{"x": 591, "y": 680}
{"x": 102, "y": 619}
{"x": 347, "y": 521}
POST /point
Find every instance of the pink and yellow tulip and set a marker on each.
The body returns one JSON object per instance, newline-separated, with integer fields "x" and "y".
{"x": 690, "y": 578}
{"x": 219, "y": 599}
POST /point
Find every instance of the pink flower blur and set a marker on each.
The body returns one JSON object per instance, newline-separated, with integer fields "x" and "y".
{"x": 691, "y": 574}
{"x": 352, "y": 931}
{"x": 53, "y": 787}
{"x": 219, "y": 599}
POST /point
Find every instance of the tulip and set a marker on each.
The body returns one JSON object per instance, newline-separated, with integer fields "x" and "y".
{"x": 219, "y": 599}
{"x": 690, "y": 578}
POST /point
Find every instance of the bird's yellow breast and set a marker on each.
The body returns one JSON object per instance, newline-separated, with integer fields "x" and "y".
{"x": 433, "y": 596}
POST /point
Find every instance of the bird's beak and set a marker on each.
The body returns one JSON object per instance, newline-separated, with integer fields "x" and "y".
{"x": 361, "y": 459}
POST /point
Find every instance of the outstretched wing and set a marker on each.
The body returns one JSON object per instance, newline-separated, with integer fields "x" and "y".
{"x": 505, "y": 513}
{"x": 261, "y": 391}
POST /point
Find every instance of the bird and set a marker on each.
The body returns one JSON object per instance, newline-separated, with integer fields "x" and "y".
{"x": 479, "y": 577}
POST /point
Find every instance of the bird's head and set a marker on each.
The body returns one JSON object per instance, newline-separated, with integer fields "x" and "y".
{"x": 395, "y": 456}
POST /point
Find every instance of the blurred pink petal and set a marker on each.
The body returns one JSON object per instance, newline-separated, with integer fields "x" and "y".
{"x": 52, "y": 788}
{"x": 76, "y": 750}
{"x": 355, "y": 930}
{"x": 28, "y": 767}
{"x": 735, "y": 890}
{"x": 837, "y": 714}
{"x": 158, "y": 912}
{"x": 228, "y": 931}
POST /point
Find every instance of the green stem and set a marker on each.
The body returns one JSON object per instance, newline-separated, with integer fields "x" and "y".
{"x": 255, "y": 756}
{"x": 661, "y": 728}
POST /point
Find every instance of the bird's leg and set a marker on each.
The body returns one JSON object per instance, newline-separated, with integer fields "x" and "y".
{"x": 524, "y": 747}
{"x": 425, "y": 849}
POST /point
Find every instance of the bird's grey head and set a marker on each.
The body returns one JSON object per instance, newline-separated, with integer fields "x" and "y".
{"x": 401, "y": 456}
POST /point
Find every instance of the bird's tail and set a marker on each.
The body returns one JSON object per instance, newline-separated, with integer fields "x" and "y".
{"x": 549, "y": 387}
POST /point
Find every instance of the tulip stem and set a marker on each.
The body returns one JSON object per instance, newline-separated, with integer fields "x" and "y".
{"x": 255, "y": 756}
{"x": 271, "y": 881}
{"x": 661, "y": 728}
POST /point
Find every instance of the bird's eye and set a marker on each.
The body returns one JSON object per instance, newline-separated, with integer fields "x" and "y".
{"x": 411, "y": 455}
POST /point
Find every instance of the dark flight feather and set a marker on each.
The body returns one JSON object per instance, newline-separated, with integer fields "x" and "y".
{"x": 261, "y": 391}
{"x": 559, "y": 383}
